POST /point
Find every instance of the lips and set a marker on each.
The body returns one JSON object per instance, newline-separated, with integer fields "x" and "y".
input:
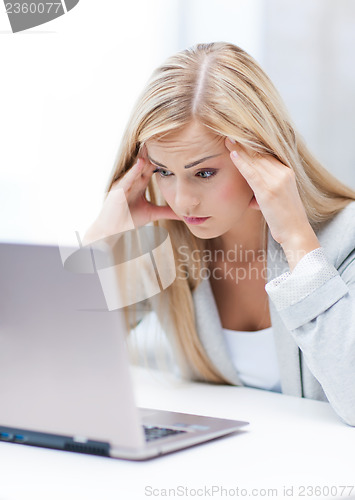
{"x": 195, "y": 220}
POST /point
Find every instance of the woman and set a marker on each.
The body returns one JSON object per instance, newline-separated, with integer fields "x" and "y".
{"x": 263, "y": 236}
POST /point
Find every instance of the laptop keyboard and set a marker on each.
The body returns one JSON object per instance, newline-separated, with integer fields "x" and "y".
{"x": 152, "y": 433}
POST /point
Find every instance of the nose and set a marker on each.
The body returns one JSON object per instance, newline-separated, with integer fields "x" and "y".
{"x": 186, "y": 198}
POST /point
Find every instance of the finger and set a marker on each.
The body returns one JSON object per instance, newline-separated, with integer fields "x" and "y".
{"x": 144, "y": 152}
{"x": 266, "y": 161}
{"x": 140, "y": 183}
{"x": 148, "y": 169}
{"x": 254, "y": 166}
{"x": 246, "y": 168}
{"x": 239, "y": 153}
{"x": 131, "y": 176}
{"x": 230, "y": 143}
{"x": 263, "y": 173}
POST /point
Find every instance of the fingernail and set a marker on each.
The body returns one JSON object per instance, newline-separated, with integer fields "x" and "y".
{"x": 235, "y": 154}
{"x": 231, "y": 139}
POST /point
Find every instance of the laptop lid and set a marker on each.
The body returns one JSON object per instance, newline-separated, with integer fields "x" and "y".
{"x": 63, "y": 360}
{"x": 64, "y": 369}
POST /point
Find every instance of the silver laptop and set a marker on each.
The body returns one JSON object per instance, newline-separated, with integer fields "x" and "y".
{"x": 64, "y": 370}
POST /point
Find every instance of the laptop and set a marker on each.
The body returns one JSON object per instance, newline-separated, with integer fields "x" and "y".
{"x": 65, "y": 379}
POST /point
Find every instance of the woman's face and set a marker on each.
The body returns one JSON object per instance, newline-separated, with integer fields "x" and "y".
{"x": 199, "y": 181}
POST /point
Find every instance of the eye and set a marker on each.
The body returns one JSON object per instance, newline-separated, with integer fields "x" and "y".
{"x": 202, "y": 174}
{"x": 206, "y": 174}
{"x": 163, "y": 172}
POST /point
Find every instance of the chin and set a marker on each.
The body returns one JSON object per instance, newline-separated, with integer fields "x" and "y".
{"x": 204, "y": 233}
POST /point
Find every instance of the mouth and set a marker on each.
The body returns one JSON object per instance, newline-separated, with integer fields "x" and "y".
{"x": 195, "y": 220}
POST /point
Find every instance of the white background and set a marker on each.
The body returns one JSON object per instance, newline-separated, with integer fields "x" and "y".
{"x": 67, "y": 88}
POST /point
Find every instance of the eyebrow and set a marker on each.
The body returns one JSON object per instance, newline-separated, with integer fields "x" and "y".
{"x": 193, "y": 164}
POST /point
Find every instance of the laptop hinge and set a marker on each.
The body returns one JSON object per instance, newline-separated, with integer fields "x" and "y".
{"x": 66, "y": 443}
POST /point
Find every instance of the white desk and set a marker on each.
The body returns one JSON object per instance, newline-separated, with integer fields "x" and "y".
{"x": 290, "y": 442}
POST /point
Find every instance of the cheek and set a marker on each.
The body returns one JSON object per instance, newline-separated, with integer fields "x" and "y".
{"x": 227, "y": 192}
{"x": 237, "y": 191}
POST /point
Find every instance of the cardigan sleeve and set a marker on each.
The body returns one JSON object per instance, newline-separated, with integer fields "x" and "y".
{"x": 316, "y": 302}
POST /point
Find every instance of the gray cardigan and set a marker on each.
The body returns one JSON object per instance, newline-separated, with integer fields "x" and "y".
{"x": 315, "y": 336}
{"x": 314, "y": 331}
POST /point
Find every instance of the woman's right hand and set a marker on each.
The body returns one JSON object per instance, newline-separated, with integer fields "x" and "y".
{"x": 126, "y": 206}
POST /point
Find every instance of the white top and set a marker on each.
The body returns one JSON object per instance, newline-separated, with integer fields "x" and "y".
{"x": 254, "y": 357}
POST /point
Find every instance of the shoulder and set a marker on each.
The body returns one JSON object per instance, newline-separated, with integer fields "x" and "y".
{"x": 337, "y": 236}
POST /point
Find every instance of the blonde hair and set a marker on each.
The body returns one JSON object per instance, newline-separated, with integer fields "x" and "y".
{"x": 222, "y": 87}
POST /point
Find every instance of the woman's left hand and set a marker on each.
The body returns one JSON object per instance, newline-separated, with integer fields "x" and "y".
{"x": 276, "y": 195}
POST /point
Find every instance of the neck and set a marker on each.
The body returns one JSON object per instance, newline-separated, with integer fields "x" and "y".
{"x": 246, "y": 237}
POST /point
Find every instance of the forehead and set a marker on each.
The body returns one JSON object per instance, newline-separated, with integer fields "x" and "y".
{"x": 193, "y": 139}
